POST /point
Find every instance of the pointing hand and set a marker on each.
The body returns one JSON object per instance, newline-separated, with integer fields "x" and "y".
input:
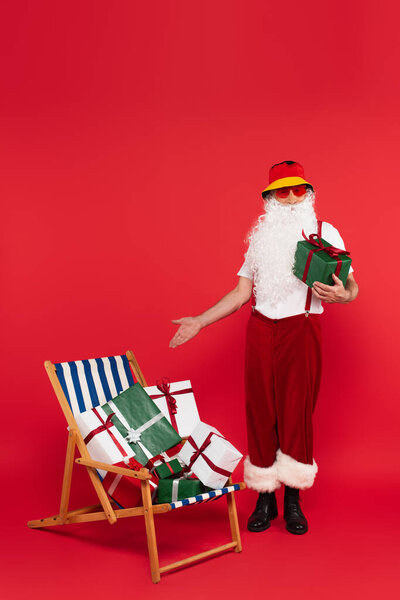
{"x": 189, "y": 327}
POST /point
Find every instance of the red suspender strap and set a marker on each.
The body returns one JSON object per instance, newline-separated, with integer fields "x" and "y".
{"x": 309, "y": 292}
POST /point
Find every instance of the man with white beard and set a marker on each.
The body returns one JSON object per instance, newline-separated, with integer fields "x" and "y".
{"x": 283, "y": 345}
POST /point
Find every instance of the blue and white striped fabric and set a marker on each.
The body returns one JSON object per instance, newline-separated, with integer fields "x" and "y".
{"x": 92, "y": 382}
{"x": 213, "y": 495}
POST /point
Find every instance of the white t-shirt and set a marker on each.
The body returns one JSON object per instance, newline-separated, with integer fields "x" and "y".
{"x": 295, "y": 302}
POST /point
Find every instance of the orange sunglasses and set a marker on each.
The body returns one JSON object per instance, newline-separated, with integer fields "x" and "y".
{"x": 298, "y": 190}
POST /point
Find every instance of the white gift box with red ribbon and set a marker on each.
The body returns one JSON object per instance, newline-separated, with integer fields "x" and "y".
{"x": 210, "y": 456}
{"x": 177, "y": 403}
{"x": 106, "y": 444}
{"x": 103, "y": 440}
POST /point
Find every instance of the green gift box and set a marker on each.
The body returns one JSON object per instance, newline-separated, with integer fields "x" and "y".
{"x": 316, "y": 260}
{"x": 172, "y": 490}
{"x": 168, "y": 469}
{"x": 141, "y": 423}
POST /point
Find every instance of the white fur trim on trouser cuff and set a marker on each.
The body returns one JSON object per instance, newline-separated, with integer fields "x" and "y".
{"x": 259, "y": 478}
{"x": 293, "y": 473}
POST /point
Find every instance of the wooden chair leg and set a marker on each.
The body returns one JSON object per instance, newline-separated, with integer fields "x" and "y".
{"x": 66, "y": 487}
{"x": 233, "y": 519}
{"x": 151, "y": 532}
{"x": 102, "y": 495}
{"x": 98, "y": 486}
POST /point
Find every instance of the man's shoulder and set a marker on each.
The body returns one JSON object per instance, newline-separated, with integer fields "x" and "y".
{"x": 331, "y": 234}
{"x": 328, "y": 227}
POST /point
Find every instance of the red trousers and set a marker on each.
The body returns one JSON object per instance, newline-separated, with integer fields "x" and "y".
{"x": 282, "y": 377}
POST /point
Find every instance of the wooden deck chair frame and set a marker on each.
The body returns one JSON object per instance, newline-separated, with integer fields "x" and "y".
{"x": 107, "y": 510}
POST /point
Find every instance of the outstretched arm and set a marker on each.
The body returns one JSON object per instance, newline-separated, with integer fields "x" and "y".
{"x": 337, "y": 292}
{"x": 190, "y": 326}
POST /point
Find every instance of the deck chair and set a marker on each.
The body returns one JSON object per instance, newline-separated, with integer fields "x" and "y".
{"x": 82, "y": 385}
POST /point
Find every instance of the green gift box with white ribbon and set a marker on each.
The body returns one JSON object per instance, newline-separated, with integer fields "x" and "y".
{"x": 172, "y": 490}
{"x": 142, "y": 424}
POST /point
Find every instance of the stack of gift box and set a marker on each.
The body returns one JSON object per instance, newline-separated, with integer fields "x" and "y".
{"x": 157, "y": 428}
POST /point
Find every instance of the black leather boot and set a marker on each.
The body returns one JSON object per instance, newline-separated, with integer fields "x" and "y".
{"x": 295, "y": 520}
{"x": 266, "y": 509}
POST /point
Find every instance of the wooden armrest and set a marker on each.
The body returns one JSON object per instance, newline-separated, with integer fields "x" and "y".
{"x": 242, "y": 485}
{"x": 88, "y": 462}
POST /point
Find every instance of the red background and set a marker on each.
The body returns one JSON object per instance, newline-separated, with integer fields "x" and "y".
{"x": 135, "y": 140}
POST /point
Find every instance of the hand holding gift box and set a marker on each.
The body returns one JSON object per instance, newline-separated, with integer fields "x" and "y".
{"x": 143, "y": 425}
{"x": 177, "y": 402}
{"x": 316, "y": 260}
{"x": 210, "y": 456}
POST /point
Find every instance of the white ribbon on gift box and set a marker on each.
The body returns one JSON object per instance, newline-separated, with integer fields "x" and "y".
{"x": 175, "y": 485}
{"x": 134, "y": 434}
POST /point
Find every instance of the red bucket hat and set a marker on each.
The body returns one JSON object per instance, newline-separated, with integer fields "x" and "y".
{"x": 285, "y": 174}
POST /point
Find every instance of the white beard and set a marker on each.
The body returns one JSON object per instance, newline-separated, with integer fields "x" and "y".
{"x": 272, "y": 246}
